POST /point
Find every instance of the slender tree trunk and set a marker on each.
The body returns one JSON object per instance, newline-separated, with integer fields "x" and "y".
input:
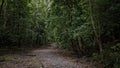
{"x": 80, "y": 43}
{"x": 1, "y": 6}
{"x": 5, "y": 13}
{"x": 95, "y": 31}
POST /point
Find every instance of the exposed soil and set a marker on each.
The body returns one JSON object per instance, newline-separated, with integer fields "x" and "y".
{"x": 49, "y": 57}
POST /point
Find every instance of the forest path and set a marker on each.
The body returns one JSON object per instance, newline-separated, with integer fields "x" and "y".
{"x": 50, "y": 57}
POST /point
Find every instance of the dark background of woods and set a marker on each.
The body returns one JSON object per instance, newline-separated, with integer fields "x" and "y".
{"x": 88, "y": 27}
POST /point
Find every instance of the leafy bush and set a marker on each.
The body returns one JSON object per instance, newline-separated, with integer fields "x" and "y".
{"x": 112, "y": 59}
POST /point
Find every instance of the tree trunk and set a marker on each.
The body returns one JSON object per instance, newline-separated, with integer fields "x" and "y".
{"x": 95, "y": 31}
{"x": 5, "y": 13}
{"x": 3, "y": 1}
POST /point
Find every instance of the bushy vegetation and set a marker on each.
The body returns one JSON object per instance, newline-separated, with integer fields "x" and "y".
{"x": 87, "y": 27}
{"x": 20, "y": 25}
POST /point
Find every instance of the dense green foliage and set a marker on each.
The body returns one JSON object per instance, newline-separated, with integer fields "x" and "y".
{"x": 87, "y": 27}
{"x": 19, "y": 24}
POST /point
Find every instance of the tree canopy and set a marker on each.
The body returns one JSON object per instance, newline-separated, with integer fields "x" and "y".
{"x": 87, "y": 27}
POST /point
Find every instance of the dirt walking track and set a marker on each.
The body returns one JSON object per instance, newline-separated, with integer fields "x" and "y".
{"x": 49, "y": 57}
